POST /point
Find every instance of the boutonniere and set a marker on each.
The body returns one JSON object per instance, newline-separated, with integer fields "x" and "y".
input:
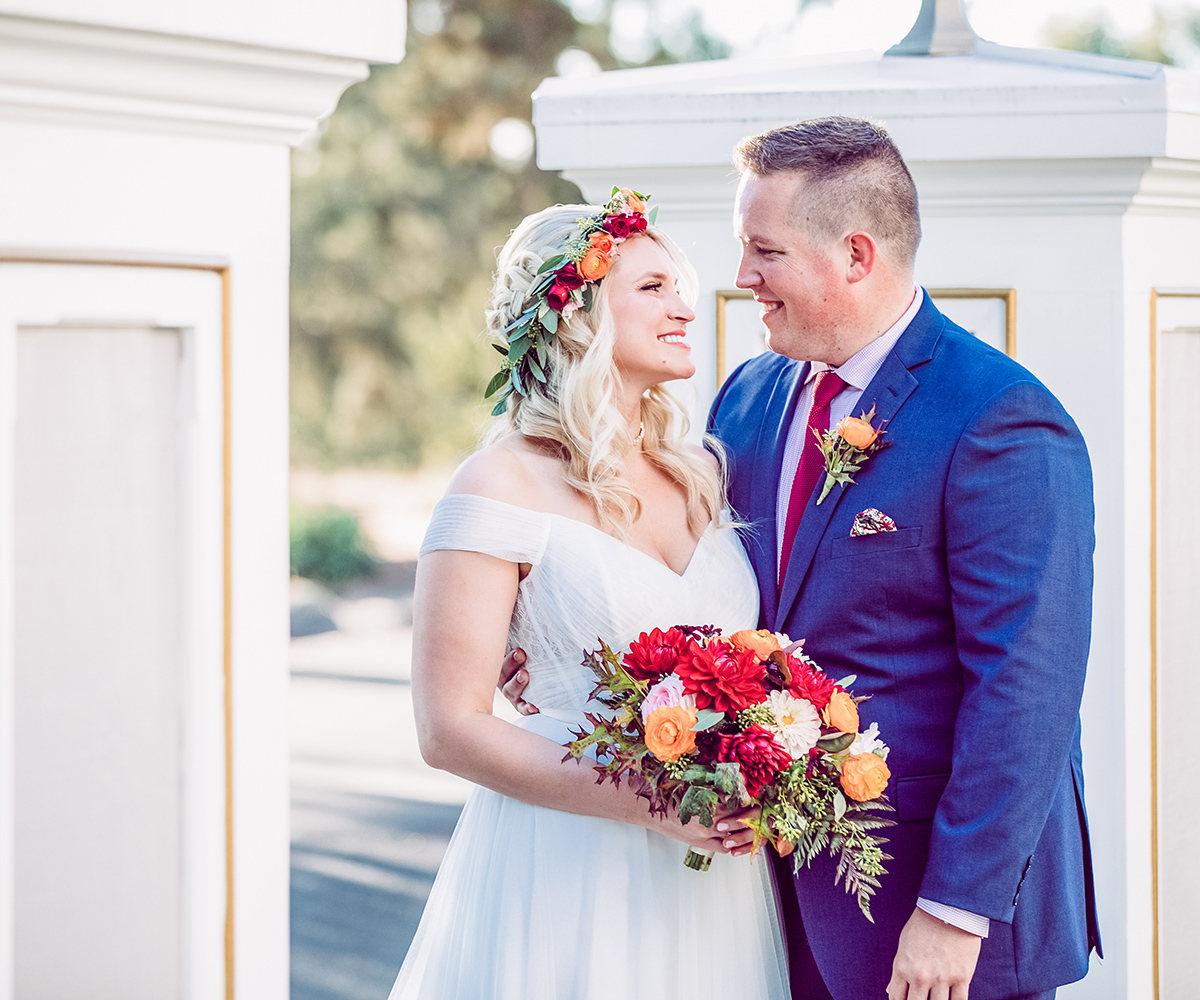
{"x": 847, "y": 447}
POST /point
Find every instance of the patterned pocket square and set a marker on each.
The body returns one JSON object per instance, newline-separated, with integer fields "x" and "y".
{"x": 871, "y": 522}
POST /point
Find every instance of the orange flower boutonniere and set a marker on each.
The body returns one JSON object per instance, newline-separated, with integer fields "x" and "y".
{"x": 847, "y": 447}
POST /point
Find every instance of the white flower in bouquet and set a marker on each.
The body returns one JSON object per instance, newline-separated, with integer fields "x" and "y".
{"x": 797, "y": 724}
{"x": 868, "y": 741}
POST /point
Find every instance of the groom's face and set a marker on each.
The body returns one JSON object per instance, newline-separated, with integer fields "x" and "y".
{"x": 799, "y": 285}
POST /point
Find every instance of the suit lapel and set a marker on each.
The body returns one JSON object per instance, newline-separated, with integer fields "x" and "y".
{"x": 888, "y": 391}
{"x": 762, "y": 540}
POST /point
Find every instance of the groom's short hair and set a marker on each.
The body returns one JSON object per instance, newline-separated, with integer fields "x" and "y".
{"x": 856, "y": 179}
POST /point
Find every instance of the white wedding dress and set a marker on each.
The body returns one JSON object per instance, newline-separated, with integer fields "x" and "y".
{"x": 535, "y": 904}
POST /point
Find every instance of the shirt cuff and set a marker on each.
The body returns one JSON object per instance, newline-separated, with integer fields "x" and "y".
{"x": 964, "y": 920}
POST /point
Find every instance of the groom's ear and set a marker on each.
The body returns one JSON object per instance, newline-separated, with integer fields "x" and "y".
{"x": 862, "y": 254}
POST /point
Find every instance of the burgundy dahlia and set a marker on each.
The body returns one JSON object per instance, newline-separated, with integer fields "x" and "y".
{"x": 723, "y": 677}
{"x": 759, "y": 754}
{"x": 656, "y": 654}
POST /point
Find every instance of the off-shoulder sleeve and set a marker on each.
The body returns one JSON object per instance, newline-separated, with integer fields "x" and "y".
{"x": 471, "y": 523}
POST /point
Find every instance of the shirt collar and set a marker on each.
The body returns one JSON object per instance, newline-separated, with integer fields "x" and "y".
{"x": 858, "y": 370}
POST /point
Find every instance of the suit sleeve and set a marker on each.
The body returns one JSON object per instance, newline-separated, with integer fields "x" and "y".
{"x": 1019, "y": 543}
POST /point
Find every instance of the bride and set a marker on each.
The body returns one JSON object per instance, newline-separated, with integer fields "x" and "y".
{"x": 586, "y": 518}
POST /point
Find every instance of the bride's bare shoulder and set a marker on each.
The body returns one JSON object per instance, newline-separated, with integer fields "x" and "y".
{"x": 513, "y": 470}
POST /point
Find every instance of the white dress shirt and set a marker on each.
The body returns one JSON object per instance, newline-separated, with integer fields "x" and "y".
{"x": 857, "y": 373}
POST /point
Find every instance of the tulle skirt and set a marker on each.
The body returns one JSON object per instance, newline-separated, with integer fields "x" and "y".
{"x": 535, "y": 904}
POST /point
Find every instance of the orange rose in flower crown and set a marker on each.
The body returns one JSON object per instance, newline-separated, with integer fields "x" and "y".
{"x": 595, "y": 264}
{"x": 632, "y": 201}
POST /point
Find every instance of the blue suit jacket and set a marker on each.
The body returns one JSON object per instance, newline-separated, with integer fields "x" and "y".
{"x": 969, "y": 626}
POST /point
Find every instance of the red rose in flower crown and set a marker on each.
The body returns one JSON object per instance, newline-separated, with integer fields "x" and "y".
{"x": 759, "y": 754}
{"x": 625, "y": 225}
{"x": 568, "y": 276}
{"x": 558, "y": 296}
{"x": 656, "y": 654}
{"x": 723, "y": 677}
{"x": 810, "y": 683}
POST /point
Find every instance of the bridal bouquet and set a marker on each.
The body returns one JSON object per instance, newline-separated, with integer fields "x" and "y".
{"x": 698, "y": 720}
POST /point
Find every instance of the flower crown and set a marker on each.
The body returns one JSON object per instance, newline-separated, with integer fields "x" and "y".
{"x": 563, "y": 284}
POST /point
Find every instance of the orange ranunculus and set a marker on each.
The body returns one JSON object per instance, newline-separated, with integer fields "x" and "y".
{"x": 762, "y": 641}
{"x": 857, "y": 432}
{"x": 595, "y": 264}
{"x": 632, "y": 201}
{"x": 841, "y": 713}
{"x": 865, "y": 776}
{"x": 669, "y": 732}
{"x": 602, "y": 241}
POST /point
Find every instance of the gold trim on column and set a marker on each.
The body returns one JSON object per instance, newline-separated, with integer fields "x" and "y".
{"x": 1155, "y": 295}
{"x": 220, "y": 267}
{"x": 723, "y": 296}
{"x": 1009, "y": 295}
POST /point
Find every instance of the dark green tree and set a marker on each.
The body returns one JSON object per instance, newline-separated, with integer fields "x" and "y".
{"x": 398, "y": 209}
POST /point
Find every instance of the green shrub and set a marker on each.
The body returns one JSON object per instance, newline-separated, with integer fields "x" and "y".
{"x": 327, "y": 545}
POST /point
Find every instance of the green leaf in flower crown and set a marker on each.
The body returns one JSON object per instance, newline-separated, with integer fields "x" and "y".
{"x": 848, "y": 682}
{"x": 516, "y": 380}
{"x": 614, "y": 191}
{"x": 552, "y": 263}
{"x": 535, "y": 368}
{"x": 541, "y": 353}
{"x": 699, "y": 802}
{"x": 653, "y": 215}
{"x": 587, "y": 298}
{"x": 517, "y": 349}
{"x": 550, "y": 322}
{"x": 501, "y": 406}
{"x": 501, "y": 348}
{"x": 496, "y": 384}
{"x": 706, "y": 718}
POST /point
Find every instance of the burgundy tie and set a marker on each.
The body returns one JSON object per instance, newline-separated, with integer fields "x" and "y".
{"x": 828, "y": 384}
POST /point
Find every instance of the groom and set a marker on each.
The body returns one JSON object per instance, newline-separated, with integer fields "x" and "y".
{"x": 965, "y": 611}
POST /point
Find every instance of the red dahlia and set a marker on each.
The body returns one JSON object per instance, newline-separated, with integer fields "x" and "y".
{"x": 810, "y": 683}
{"x": 723, "y": 677}
{"x": 759, "y": 755}
{"x": 655, "y": 654}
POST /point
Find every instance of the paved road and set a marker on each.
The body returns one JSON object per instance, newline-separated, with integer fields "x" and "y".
{"x": 370, "y": 820}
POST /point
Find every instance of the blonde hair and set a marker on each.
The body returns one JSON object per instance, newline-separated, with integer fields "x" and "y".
{"x": 575, "y": 407}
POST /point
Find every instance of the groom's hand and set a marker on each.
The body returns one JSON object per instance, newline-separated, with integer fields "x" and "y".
{"x": 935, "y": 961}
{"x": 514, "y": 679}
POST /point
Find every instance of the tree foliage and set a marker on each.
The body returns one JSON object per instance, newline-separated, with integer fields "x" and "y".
{"x": 398, "y": 209}
{"x": 1172, "y": 37}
